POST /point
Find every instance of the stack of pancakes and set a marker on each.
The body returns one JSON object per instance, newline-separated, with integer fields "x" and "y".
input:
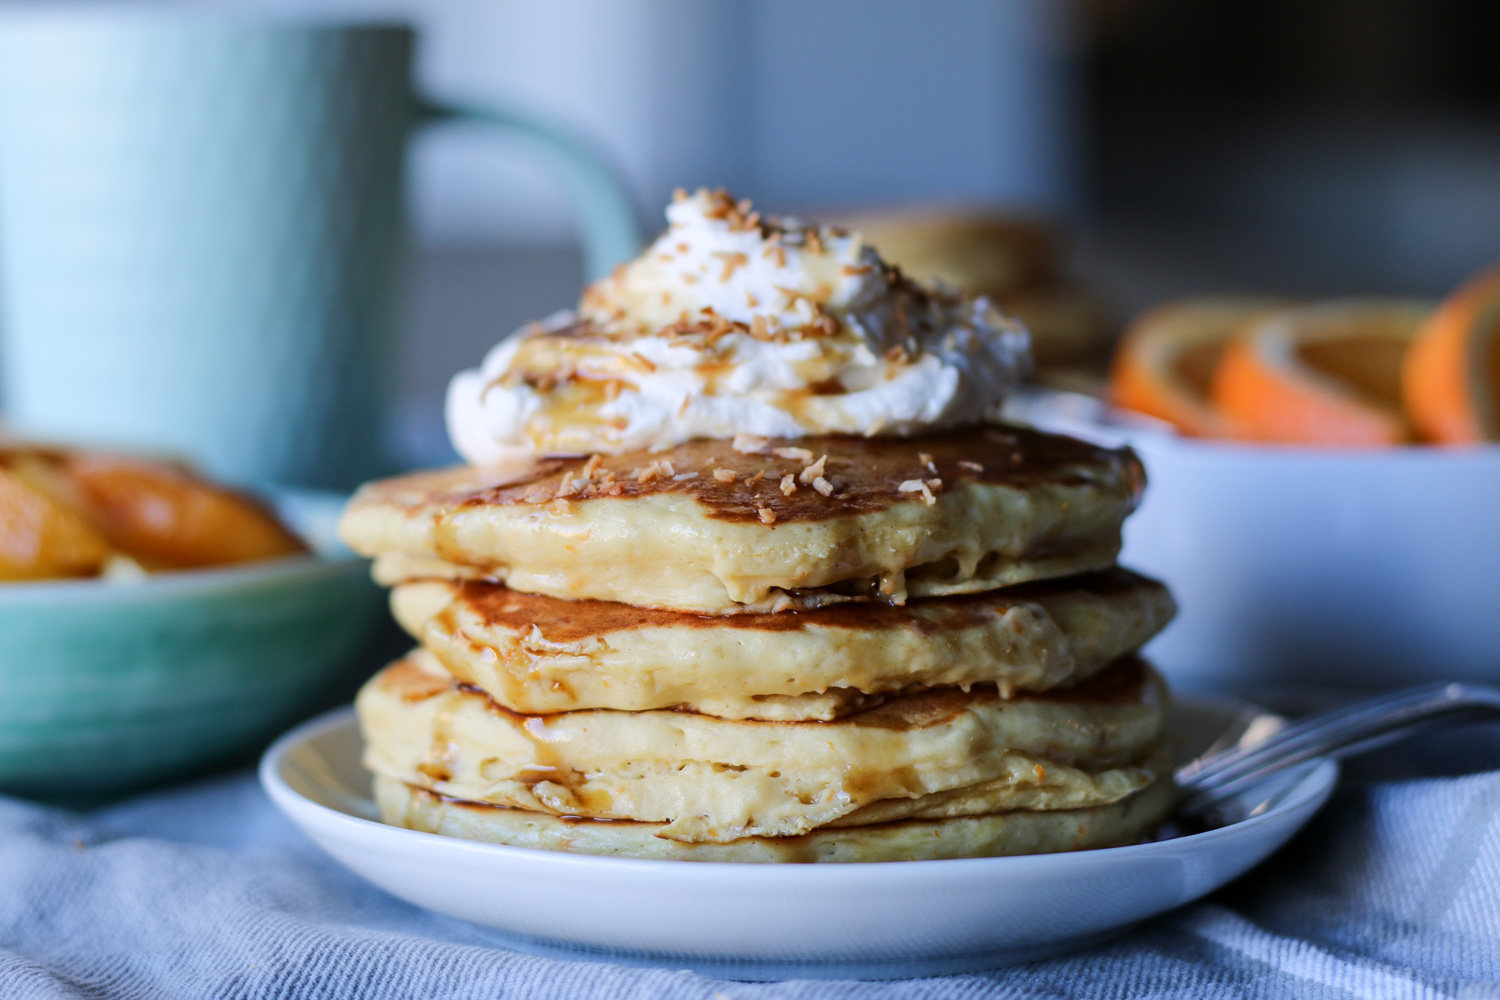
{"x": 813, "y": 649}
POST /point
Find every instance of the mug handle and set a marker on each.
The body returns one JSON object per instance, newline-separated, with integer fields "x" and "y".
{"x": 607, "y": 220}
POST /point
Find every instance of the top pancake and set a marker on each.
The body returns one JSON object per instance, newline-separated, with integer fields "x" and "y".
{"x": 874, "y": 519}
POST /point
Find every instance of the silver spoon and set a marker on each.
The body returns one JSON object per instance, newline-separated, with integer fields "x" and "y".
{"x": 1337, "y": 732}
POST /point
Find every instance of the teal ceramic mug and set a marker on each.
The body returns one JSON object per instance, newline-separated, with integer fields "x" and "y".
{"x": 202, "y": 237}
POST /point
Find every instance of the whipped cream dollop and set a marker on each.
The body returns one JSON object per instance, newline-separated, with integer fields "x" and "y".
{"x": 733, "y": 324}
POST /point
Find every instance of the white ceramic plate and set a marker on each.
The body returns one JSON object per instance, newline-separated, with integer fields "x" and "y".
{"x": 764, "y": 921}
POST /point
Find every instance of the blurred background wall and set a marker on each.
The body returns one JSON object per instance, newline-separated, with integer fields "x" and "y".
{"x": 1297, "y": 145}
{"x": 1328, "y": 146}
{"x": 831, "y": 103}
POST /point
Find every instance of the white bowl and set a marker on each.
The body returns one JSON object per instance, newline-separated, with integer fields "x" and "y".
{"x": 768, "y": 921}
{"x": 1312, "y": 568}
{"x": 1307, "y": 567}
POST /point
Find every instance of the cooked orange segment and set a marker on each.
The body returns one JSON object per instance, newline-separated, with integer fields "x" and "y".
{"x": 40, "y": 538}
{"x": 1167, "y": 358}
{"x": 1450, "y": 381}
{"x": 166, "y": 518}
{"x": 1326, "y": 374}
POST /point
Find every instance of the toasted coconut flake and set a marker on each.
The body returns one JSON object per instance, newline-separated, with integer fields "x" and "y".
{"x": 724, "y": 475}
{"x": 721, "y": 327}
{"x": 755, "y": 479}
{"x": 971, "y": 466}
{"x": 793, "y": 454}
{"x": 560, "y": 507}
{"x": 788, "y": 485}
{"x": 650, "y": 473}
{"x": 813, "y": 471}
{"x": 767, "y": 515}
{"x": 732, "y": 260}
{"x": 683, "y": 477}
{"x": 750, "y": 444}
{"x": 823, "y": 486}
{"x": 917, "y": 486}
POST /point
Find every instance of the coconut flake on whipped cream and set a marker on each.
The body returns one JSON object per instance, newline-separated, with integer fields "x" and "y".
{"x": 733, "y": 324}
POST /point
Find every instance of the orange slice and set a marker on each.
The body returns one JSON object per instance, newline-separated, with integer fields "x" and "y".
{"x": 1450, "y": 381}
{"x": 40, "y": 538}
{"x": 1325, "y": 374}
{"x": 1166, "y": 360}
{"x": 167, "y": 518}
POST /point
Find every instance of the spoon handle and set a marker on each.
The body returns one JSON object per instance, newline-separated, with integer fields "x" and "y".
{"x": 1336, "y": 732}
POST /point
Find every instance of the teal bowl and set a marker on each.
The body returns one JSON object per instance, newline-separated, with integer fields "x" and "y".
{"x": 109, "y": 686}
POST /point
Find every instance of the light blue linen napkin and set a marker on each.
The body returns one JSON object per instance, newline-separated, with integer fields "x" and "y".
{"x": 204, "y": 891}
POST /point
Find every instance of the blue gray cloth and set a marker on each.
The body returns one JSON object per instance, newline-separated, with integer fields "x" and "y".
{"x": 205, "y": 891}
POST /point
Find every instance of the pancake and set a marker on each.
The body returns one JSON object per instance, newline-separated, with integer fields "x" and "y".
{"x": 719, "y": 780}
{"x": 711, "y": 529}
{"x": 538, "y": 655}
{"x": 1009, "y": 833}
